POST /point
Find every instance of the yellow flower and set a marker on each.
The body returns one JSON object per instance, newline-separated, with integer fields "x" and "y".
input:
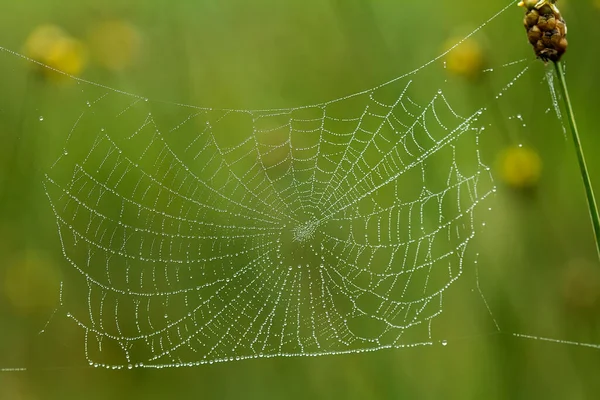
{"x": 466, "y": 59}
{"x": 52, "y": 46}
{"x": 115, "y": 44}
{"x": 520, "y": 167}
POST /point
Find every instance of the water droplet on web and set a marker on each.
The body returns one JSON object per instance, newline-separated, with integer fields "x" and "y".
{"x": 444, "y": 343}
{"x": 88, "y": 103}
{"x": 41, "y": 117}
{"x": 129, "y": 366}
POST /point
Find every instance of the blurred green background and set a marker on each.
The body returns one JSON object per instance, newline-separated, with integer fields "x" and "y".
{"x": 537, "y": 263}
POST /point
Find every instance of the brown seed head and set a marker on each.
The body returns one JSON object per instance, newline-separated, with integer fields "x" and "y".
{"x": 546, "y": 29}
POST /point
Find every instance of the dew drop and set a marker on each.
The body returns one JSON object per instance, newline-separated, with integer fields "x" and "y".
{"x": 129, "y": 366}
{"x": 41, "y": 117}
{"x": 444, "y": 343}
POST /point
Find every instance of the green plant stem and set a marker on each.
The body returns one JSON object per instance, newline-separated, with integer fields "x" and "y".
{"x": 585, "y": 175}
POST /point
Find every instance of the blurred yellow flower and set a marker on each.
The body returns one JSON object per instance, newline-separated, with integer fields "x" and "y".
{"x": 466, "y": 59}
{"x": 52, "y": 46}
{"x": 520, "y": 167}
{"x": 115, "y": 44}
{"x": 31, "y": 284}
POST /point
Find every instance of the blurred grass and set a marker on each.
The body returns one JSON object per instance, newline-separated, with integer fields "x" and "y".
{"x": 536, "y": 255}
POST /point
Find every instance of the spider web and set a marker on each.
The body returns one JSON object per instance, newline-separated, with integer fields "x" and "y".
{"x": 305, "y": 231}
{"x": 206, "y": 235}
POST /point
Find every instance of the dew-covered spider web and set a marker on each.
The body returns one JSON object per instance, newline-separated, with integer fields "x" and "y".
{"x": 233, "y": 233}
{"x": 201, "y": 235}
{"x": 310, "y": 231}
